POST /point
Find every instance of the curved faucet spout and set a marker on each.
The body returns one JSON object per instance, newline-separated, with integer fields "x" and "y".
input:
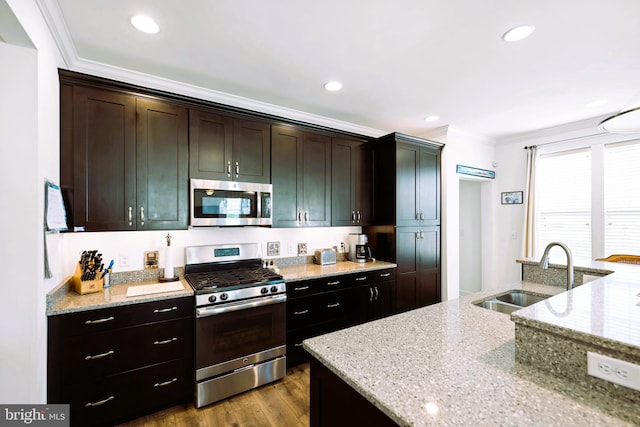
{"x": 544, "y": 262}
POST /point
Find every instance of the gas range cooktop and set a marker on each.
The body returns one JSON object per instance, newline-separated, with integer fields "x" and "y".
{"x": 232, "y": 278}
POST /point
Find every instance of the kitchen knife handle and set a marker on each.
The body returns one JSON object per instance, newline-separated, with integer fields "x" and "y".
{"x": 130, "y": 216}
{"x": 142, "y": 216}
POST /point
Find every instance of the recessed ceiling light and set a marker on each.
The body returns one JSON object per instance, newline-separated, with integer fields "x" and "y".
{"x": 432, "y": 118}
{"x": 145, "y": 24}
{"x": 597, "y": 103}
{"x": 518, "y": 33}
{"x": 333, "y": 86}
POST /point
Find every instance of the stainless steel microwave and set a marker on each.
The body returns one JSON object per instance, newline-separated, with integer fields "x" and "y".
{"x": 229, "y": 203}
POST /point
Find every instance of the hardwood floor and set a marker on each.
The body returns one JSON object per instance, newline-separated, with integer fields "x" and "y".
{"x": 284, "y": 403}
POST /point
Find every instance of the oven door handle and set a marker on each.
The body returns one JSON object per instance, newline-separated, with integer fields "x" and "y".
{"x": 241, "y": 305}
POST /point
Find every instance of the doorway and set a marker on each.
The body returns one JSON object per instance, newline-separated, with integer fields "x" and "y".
{"x": 471, "y": 237}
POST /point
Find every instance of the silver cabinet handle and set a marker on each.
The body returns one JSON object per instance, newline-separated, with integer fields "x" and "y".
{"x": 298, "y": 344}
{"x": 385, "y": 274}
{"x": 299, "y": 221}
{"x": 360, "y": 279}
{"x": 301, "y": 288}
{"x": 417, "y": 216}
{"x": 335, "y": 282}
{"x": 301, "y": 312}
{"x": 237, "y": 169}
{"x": 142, "y": 216}
{"x": 130, "y": 216}
{"x": 165, "y": 383}
{"x": 93, "y": 322}
{"x": 370, "y": 294}
{"x": 421, "y": 216}
{"x": 165, "y": 310}
{"x": 377, "y": 293}
{"x": 100, "y": 356}
{"x": 306, "y": 216}
{"x": 353, "y": 216}
{"x": 417, "y": 235}
{"x": 334, "y": 305}
{"x": 421, "y": 235}
{"x": 359, "y": 216}
{"x": 229, "y": 168}
{"x": 102, "y": 402}
{"x": 165, "y": 341}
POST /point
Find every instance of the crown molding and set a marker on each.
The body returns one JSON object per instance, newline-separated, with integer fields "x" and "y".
{"x": 58, "y": 28}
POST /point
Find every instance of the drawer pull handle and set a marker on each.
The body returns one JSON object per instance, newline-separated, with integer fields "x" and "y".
{"x": 385, "y": 274}
{"x": 93, "y": 322}
{"x": 165, "y": 383}
{"x": 298, "y": 344}
{"x": 301, "y": 288}
{"x": 165, "y": 310}
{"x": 100, "y": 356}
{"x": 301, "y": 312}
{"x": 337, "y": 282}
{"x": 360, "y": 279}
{"x": 102, "y": 402}
{"x": 165, "y": 341}
{"x": 334, "y": 305}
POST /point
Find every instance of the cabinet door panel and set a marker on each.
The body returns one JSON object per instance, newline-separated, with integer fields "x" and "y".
{"x": 363, "y": 167}
{"x": 104, "y": 143}
{"x": 406, "y": 184}
{"x": 429, "y": 267}
{"x": 162, "y": 188}
{"x": 342, "y": 183}
{"x": 429, "y": 186}
{"x": 316, "y": 179}
{"x": 284, "y": 175}
{"x": 209, "y": 145}
{"x": 251, "y": 151}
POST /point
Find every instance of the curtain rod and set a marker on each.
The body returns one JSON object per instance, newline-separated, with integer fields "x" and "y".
{"x": 577, "y": 138}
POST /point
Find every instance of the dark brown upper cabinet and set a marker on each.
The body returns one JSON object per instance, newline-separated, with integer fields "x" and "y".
{"x": 301, "y": 178}
{"x": 351, "y": 166}
{"x": 228, "y": 149}
{"x": 124, "y": 160}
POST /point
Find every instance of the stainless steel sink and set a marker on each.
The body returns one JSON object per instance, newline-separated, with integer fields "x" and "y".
{"x": 521, "y": 298}
{"x": 510, "y": 301}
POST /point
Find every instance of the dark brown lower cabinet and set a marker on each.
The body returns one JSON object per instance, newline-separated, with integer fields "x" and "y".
{"x": 320, "y": 306}
{"x": 333, "y": 403}
{"x": 115, "y": 364}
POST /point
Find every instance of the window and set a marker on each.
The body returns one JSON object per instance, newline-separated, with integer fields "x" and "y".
{"x": 622, "y": 198}
{"x": 590, "y": 200}
{"x": 564, "y": 200}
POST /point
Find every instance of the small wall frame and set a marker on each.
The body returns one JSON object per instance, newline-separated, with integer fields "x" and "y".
{"x": 512, "y": 198}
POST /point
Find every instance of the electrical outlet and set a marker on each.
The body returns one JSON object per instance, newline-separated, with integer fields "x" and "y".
{"x": 302, "y": 248}
{"x": 123, "y": 260}
{"x": 613, "y": 370}
{"x": 290, "y": 250}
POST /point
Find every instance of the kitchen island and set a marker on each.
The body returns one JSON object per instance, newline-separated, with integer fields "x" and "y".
{"x": 451, "y": 363}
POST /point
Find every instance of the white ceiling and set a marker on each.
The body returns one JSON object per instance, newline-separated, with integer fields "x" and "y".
{"x": 399, "y": 60}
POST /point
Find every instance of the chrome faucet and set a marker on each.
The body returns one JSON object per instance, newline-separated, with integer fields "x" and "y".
{"x": 544, "y": 262}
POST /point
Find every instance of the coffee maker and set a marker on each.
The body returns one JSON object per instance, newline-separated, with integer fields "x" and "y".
{"x": 359, "y": 250}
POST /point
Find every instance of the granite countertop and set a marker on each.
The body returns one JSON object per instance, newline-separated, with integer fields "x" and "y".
{"x": 605, "y": 312}
{"x": 62, "y": 299}
{"x": 453, "y": 363}
{"x": 294, "y": 273}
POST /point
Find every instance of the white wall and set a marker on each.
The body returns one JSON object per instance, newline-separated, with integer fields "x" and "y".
{"x": 471, "y": 234}
{"x": 460, "y": 148}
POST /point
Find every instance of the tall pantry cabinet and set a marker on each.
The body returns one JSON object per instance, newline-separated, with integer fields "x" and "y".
{"x": 406, "y": 214}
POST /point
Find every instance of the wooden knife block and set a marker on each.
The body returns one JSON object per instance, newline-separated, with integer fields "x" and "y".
{"x": 86, "y": 286}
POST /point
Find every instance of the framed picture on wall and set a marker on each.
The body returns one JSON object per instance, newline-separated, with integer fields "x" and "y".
{"x": 512, "y": 198}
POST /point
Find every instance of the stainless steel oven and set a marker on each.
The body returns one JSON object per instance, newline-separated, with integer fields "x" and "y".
{"x": 240, "y": 320}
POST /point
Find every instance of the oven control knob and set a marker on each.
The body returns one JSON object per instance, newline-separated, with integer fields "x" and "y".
{"x": 274, "y": 289}
{"x": 264, "y": 290}
{"x": 224, "y": 297}
{"x": 212, "y": 298}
